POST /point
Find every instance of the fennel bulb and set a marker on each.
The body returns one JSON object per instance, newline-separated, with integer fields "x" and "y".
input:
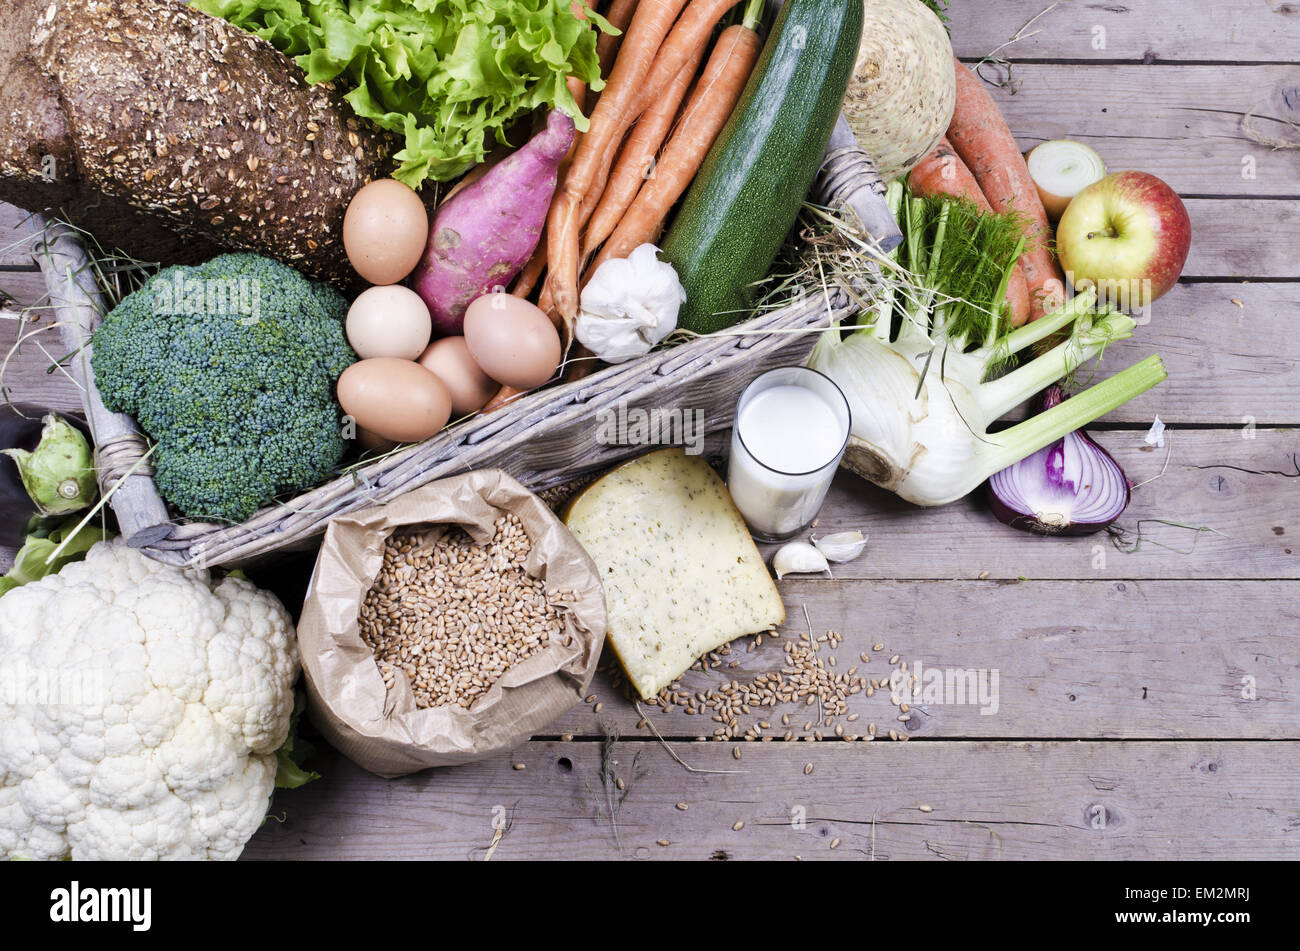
{"x": 922, "y": 408}
{"x": 923, "y": 402}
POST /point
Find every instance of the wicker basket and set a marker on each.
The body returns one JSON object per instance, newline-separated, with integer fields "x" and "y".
{"x": 546, "y": 438}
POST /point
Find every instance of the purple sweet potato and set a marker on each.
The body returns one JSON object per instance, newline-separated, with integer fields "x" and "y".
{"x": 484, "y": 234}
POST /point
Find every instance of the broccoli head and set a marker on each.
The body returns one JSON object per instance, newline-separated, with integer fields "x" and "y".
{"x": 230, "y": 368}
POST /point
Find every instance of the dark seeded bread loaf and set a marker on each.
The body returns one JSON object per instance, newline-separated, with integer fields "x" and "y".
{"x": 169, "y": 133}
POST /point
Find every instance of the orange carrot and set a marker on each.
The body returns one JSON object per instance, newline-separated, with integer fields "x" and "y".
{"x": 619, "y": 16}
{"x": 687, "y": 39}
{"x": 546, "y": 301}
{"x": 637, "y": 160}
{"x": 688, "y": 35}
{"x": 532, "y": 272}
{"x": 707, "y": 110}
{"x": 942, "y": 172}
{"x": 981, "y": 137}
{"x": 610, "y": 119}
{"x": 505, "y": 396}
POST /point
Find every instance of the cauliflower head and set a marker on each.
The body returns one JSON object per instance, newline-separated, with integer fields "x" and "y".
{"x": 141, "y": 707}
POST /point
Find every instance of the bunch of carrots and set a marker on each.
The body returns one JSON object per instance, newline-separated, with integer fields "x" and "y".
{"x": 651, "y": 128}
{"x": 980, "y": 161}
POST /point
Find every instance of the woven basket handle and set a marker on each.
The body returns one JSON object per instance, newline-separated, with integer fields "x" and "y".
{"x": 119, "y": 447}
{"x": 848, "y": 179}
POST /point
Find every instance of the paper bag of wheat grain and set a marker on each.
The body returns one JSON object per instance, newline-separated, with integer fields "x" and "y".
{"x": 380, "y": 726}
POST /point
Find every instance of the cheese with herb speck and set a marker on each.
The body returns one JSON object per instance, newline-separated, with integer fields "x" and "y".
{"x": 682, "y": 576}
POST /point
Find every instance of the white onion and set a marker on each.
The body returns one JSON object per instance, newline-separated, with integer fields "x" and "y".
{"x": 1061, "y": 169}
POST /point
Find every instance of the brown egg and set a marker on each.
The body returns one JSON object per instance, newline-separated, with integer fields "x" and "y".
{"x": 449, "y": 360}
{"x": 384, "y": 231}
{"x": 389, "y": 321}
{"x": 512, "y": 340}
{"x": 376, "y": 445}
{"x": 394, "y": 399}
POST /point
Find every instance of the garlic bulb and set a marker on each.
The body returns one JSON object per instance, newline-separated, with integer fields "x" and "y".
{"x": 798, "y": 558}
{"x": 629, "y": 305}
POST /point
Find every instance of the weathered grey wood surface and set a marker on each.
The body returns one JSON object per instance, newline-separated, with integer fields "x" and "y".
{"x": 1104, "y": 659}
{"x": 1188, "y": 124}
{"x": 1147, "y": 701}
{"x": 991, "y": 800}
{"x": 1248, "y": 515}
{"x": 1214, "y": 31}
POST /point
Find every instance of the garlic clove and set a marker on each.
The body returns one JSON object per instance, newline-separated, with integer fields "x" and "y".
{"x": 841, "y": 546}
{"x": 798, "y": 558}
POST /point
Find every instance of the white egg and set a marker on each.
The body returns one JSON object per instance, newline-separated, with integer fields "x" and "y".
{"x": 389, "y": 321}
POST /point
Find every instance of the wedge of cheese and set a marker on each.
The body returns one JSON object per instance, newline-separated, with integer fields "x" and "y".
{"x": 681, "y": 574}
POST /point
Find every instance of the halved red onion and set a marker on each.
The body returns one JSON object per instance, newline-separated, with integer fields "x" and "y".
{"x": 1071, "y": 487}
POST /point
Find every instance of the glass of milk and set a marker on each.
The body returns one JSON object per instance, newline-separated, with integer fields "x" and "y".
{"x": 792, "y": 426}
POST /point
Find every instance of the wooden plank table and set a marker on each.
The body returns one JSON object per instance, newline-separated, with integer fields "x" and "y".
{"x": 1148, "y": 683}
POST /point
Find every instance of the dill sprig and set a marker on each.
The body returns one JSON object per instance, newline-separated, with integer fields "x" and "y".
{"x": 964, "y": 257}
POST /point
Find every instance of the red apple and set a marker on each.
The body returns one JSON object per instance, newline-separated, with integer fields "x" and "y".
{"x": 1122, "y": 232}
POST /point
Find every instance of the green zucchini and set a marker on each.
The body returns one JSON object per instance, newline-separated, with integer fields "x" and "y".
{"x": 748, "y": 192}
